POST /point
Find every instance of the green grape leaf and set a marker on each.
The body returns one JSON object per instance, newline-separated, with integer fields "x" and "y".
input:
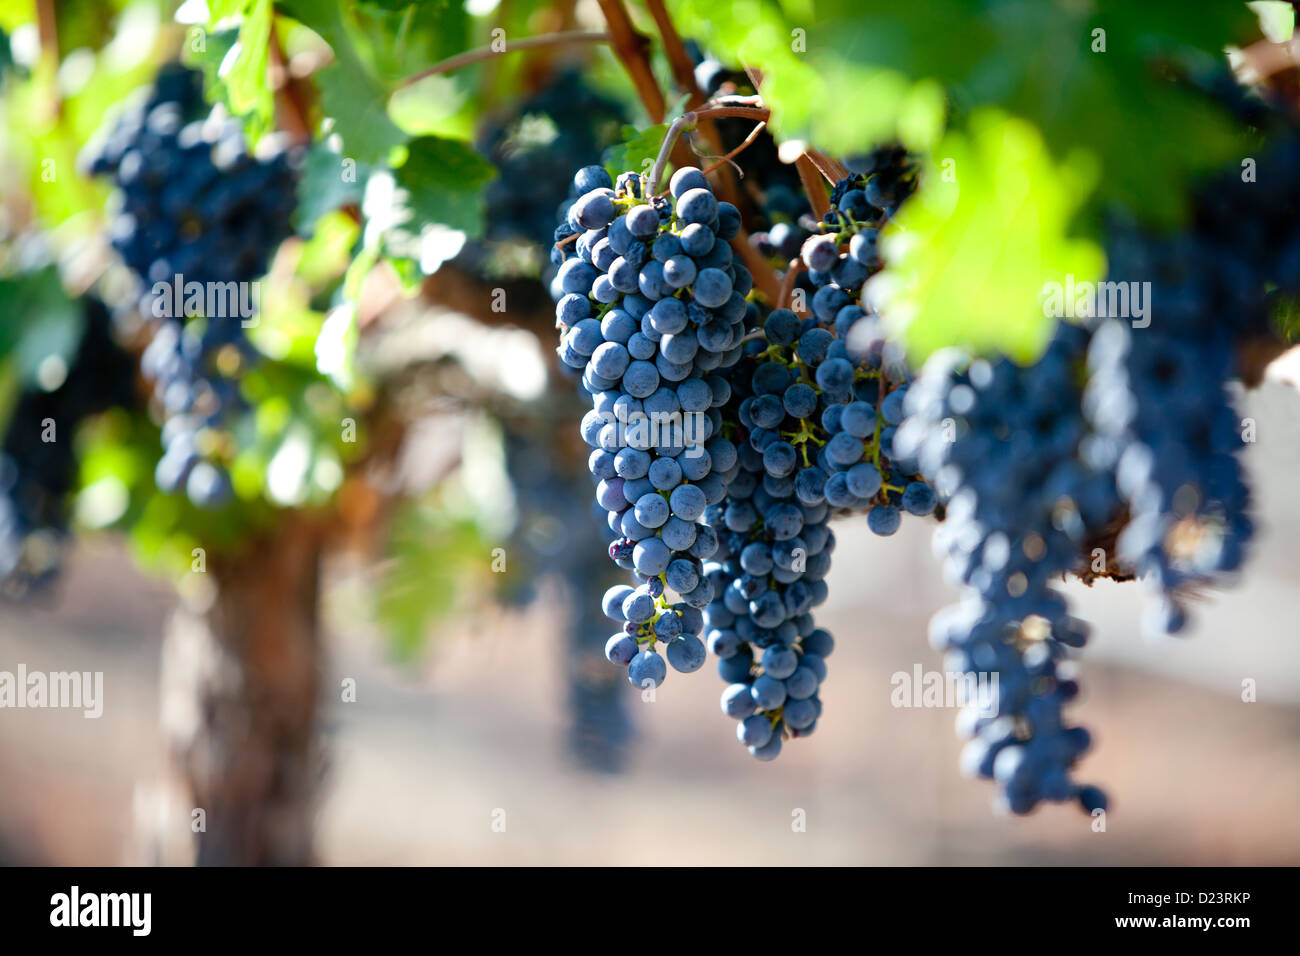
{"x": 444, "y": 179}
{"x": 248, "y": 89}
{"x": 328, "y": 182}
{"x": 403, "y": 39}
{"x": 1095, "y": 74}
{"x": 426, "y": 570}
{"x": 216, "y": 46}
{"x": 971, "y": 253}
{"x": 359, "y": 107}
{"x": 351, "y": 95}
{"x": 637, "y": 152}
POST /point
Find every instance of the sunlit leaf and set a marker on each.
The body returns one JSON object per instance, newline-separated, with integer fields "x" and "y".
{"x": 969, "y": 254}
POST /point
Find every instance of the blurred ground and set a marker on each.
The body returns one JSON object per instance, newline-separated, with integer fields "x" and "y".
{"x": 425, "y": 759}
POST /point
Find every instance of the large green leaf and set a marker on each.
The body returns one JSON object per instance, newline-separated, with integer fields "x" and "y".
{"x": 247, "y": 84}
{"x": 853, "y": 84}
{"x": 216, "y": 46}
{"x": 971, "y": 252}
{"x": 358, "y": 106}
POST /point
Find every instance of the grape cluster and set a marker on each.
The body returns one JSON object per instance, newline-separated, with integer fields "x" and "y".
{"x": 1126, "y": 421}
{"x": 797, "y": 424}
{"x": 1116, "y": 426}
{"x": 201, "y": 215}
{"x": 651, "y": 306}
{"x": 815, "y": 406}
{"x": 1010, "y": 450}
{"x": 38, "y": 464}
{"x": 851, "y": 362}
{"x": 774, "y": 553}
{"x": 1164, "y": 403}
{"x": 1160, "y": 391}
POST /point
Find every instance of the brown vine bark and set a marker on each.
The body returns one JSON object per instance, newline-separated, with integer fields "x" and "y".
{"x": 241, "y": 686}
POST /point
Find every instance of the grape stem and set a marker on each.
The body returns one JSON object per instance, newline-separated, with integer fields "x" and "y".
{"x": 748, "y": 141}
{"x": 875, "y": 438}
{"x": 566, "y": 240}
{"x": 684, "y": 122}
{"x": 688, "y": 121}
{"x": 787, "y": 282}
{"x": 479, "y": 54}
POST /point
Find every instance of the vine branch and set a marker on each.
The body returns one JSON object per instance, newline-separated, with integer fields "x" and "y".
{"x": 47, "y": 31}
{"x": 479, "y": 54}
{"x": 811, "y": 177}
{"x": 759, "y": 268}
{"x": 675, "y": 50}
{"x": 684, "y": 76}
{"x": 291, "y": 98}
{"x": 729, "y": 188}
{"x": 722, "y": 160}
{"x": 630, "y": 48}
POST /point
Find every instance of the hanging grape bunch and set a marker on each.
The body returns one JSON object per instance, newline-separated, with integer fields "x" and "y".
{"x": 651, "y": 307}
{"x": 1117, "y": 426}
{"x": 38, "y": 464}
{"x": 649, "y": 295}
{"x": 198, "y": 219}
{"x": 1022, "y": 501}
{"x": 815, "y": 405}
